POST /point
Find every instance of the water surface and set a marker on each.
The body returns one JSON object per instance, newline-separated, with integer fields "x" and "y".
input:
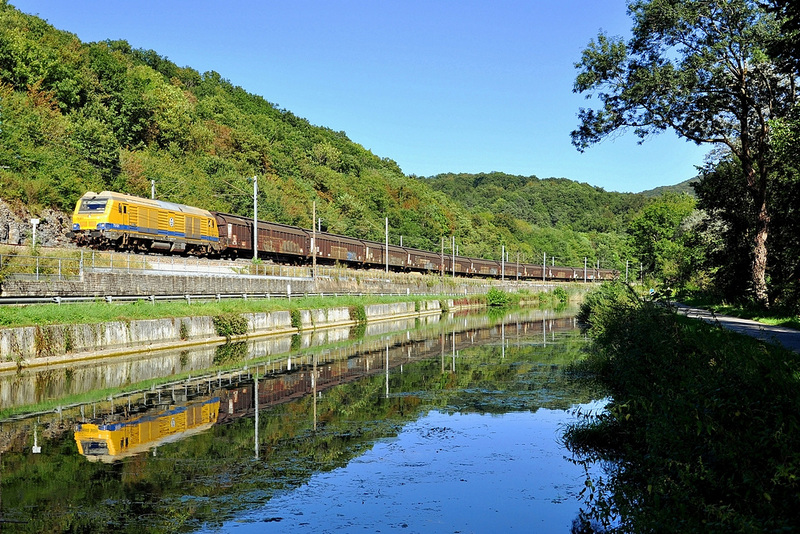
{"x": 445, "y": 426}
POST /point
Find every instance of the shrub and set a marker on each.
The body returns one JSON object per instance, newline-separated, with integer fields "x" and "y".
{"x": 601, "y": 302}
{"x": 497, "y": 297}
{"x": 701, "y": 428}
{"x": 230, "y": 324}
{"x": 359, "y": 314}
{"x": 561, "y": 295}
{"x": 297, "y": 319}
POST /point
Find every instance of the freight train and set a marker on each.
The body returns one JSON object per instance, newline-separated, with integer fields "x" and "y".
{"x": 117, "y": 221}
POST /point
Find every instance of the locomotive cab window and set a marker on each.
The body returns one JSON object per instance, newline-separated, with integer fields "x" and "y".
{"x": 94, "y": 205}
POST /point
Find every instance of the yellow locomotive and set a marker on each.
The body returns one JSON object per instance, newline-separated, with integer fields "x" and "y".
{"x": 112, "y": 441}
{"x": 115, "y": 220}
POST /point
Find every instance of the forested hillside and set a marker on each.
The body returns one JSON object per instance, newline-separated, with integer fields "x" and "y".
{"x": 95, "y": 116}
{"x": 553, "y": 215}
{"x": 556, "y": 202}
{"x": 687, "y": 187}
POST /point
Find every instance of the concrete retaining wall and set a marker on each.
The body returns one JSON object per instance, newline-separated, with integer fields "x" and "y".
{"x": 37, "y": 345}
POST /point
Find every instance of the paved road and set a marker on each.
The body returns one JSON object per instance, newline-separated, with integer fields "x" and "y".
{"x": 779, "y": 335}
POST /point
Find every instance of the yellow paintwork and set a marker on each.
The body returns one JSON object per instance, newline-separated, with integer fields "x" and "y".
{"x": 142, "y": 218}
{"x": 126, "y": 438}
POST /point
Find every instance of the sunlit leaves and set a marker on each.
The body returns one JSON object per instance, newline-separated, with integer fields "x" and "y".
{"x": 659, "y": 237}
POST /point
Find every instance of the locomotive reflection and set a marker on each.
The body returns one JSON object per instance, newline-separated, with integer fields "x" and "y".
{"x": 109, "y": 441}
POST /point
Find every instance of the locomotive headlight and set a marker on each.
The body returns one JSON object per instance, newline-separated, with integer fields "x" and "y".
{"x": 76, "y": 227}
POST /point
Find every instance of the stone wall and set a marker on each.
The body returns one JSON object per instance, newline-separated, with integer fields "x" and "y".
{"x": 101, "y": 284}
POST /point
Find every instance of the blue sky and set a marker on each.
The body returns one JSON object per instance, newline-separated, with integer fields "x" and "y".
{"x": 437, "y": 85}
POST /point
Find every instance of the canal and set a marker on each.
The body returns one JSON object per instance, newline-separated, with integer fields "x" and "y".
{"x": 447, "y": 424}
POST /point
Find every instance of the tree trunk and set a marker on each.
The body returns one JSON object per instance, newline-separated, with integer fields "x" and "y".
{"x": 756, "y": 177}
{"x": 759, "y": 267}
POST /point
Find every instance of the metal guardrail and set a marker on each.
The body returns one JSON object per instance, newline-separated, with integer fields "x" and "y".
{"x": 55, "y": 268}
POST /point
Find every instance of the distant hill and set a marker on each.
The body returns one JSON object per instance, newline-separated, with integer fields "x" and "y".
{"x": 683, "y": 187}
{"x": 548, "y": 202}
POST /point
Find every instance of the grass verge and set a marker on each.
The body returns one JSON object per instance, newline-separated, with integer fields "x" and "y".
{"x": 101, "y": 311}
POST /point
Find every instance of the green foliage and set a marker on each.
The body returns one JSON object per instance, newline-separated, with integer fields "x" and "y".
{"x": 69, "y": 342}
{"x": 296, "y": 318}
{"x": 183, "y": 331}
{"x": 784, "y": 190}
{"x": 229, "y": 325}
{"x": 497, "y": 297}
{"x": 359, "y": 314}
{"x": 663, "y": 236}
{"x": 721, "y": 193}
{"x": 786, "y": 48}
{"x": 561, "y": 295}
{"x": 701, "y": 426}
{"x": 682, "y": 71}
{"x": 599, "y": 306}
{"x": 562, "y": 218}
{"x": 555, "y": 202}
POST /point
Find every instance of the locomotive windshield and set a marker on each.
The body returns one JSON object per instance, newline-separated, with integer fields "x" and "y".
{"x": 93, "y": 205}
{"x": 94, "y": 448}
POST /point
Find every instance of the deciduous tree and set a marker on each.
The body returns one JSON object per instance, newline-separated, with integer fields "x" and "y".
{"x": 700, "y": 69}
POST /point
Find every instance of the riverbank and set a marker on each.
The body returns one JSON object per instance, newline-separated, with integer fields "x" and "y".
{"x": 116, "y": 330}
{"x": 702, "y": 428}
{"x": 42, "y": 345}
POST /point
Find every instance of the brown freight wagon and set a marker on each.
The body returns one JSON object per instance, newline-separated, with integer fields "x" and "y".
{"x": 338, "y": 248}
{"x": 424, "y": 261}
{"x": 375, "y": 256}
{"x": 276, "y": 241}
